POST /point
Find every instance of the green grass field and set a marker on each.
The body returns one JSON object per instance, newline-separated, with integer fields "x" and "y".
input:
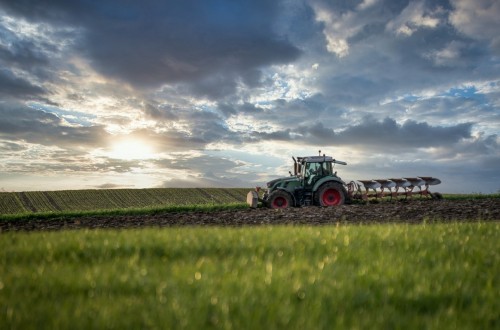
{"x": 372, "y": 277}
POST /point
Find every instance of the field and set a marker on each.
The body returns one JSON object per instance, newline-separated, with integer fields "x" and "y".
{"x": 300, "y": 277}
{"x": 112, "y": 199}
{"x": 419, "y": 264}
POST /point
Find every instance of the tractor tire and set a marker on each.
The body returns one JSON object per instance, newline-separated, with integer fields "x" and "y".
{"x": 436, "y": 195}
{"x": 279, "y": 200}
{"x": 331, "y": 194}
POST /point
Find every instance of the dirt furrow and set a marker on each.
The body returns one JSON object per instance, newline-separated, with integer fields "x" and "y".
{"x": 393, "y": 212}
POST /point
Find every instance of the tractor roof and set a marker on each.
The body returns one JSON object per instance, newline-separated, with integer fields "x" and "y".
{"x": 315, "y": 159}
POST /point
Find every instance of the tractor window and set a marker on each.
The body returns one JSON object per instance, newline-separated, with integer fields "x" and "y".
{"x": 327, "y": 168}
{"x": 312, "y": 171}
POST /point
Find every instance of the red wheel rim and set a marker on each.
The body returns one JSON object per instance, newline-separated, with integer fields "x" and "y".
{"x": 331, "y": 197}
{"x": 280, "y": 202}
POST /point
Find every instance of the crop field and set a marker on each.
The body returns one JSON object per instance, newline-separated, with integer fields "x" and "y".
{"x": 107, "y": 199}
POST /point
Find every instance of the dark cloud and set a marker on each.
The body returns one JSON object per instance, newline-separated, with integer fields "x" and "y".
{"x": 479, "y": 20}
{"x": 160, "y": 112}
{"x": 12, "y": 86}
{"x": 19, "y": 122}
{"x": 209, "y": 127}
{"x": 228, "y": 109}
{"x": 374, "y": 134}
{"x": 482, "y": 147}
{"x": 171, "y": 41}
{"x": 20, "y": 52}
{"x": 410, "y": 134}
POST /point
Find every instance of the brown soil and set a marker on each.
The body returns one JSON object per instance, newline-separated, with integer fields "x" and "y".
{"x": 416, "y": 211}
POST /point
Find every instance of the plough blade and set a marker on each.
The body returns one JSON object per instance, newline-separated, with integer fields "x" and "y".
{"x": 394, "y": 187}
{"x": 370, "y": 184}
{"x": 430, "y": 181}
{"x": 416, "y": 182}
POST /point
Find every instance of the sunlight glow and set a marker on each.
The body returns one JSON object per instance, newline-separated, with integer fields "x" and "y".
{"x": 131, "y": 150}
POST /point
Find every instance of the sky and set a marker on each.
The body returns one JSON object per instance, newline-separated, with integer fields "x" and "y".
{"x": 222, "y": 93}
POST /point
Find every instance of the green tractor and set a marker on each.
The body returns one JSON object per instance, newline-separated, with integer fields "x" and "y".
{"x": 313, "y": 183}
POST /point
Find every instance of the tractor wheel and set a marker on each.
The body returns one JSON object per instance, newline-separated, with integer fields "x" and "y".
{"x": 279, "y": 200}
{"x": 436, "y": 195}
{"x": 331, "y": 194}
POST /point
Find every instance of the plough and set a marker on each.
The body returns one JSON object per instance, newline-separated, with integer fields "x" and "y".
{"x": 393, "y": 188}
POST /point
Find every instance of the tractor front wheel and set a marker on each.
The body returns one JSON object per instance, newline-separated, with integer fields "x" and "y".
{"x": 279, "y": 200}
{"x": 331, "y": 194}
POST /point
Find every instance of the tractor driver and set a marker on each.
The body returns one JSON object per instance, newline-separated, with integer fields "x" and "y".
{"x": 312, "y": 170}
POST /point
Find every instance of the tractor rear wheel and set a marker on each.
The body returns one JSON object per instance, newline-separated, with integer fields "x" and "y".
{"x": 279, "y": 200}
{"x": 331, "y": 194}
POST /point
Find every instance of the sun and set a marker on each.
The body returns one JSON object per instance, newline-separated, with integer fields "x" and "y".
{"x": 131, "y": 150}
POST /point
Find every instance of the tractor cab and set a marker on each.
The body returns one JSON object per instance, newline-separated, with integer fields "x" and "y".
{"x": 313, "y": 169}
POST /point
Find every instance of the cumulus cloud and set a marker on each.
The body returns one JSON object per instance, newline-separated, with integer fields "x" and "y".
{"x": 478, "y": 20}
{"x": 339, "y": 24}
{"x": 449, "y": 55}
{"x": 412, "y": 18}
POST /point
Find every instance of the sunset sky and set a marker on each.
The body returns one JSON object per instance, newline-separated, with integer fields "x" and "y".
{"x": 221, "y": 93}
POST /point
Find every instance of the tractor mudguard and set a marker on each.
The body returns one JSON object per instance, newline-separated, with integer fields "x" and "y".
{"x": 327, "y": 179}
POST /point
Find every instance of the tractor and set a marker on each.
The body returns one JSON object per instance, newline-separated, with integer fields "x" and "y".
{"x": 312, "y": 183}
{"x": 315, "y": 183}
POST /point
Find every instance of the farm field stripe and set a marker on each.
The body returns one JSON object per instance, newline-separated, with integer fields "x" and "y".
{"x": 230, "y": 194}
{"x": 210, "y": 197}
{"x": 10, "y": 203}
{"x": 26, "y": 202}
{"x": 52, "y": 201}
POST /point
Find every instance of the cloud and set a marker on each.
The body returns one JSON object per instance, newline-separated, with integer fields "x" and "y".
{"x": 172, "y": 41}
{"x": 345, "y": 23}
{"x": 338, "y": 25}
{"x": 21, "y": 123}
{"x": 375, "y": 135}
{"x": 448, "y": 56}
{"x": 478, "y": 20}
{"x": 411, "y": 134}
{"x": 160, "y": 112}
{"x": 204, "y": 171}
{"x": 412, "y": 18}
{"x": 12, "y": 86}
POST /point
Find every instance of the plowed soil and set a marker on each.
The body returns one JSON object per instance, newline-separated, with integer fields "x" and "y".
{"x": 416, "y": 211}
